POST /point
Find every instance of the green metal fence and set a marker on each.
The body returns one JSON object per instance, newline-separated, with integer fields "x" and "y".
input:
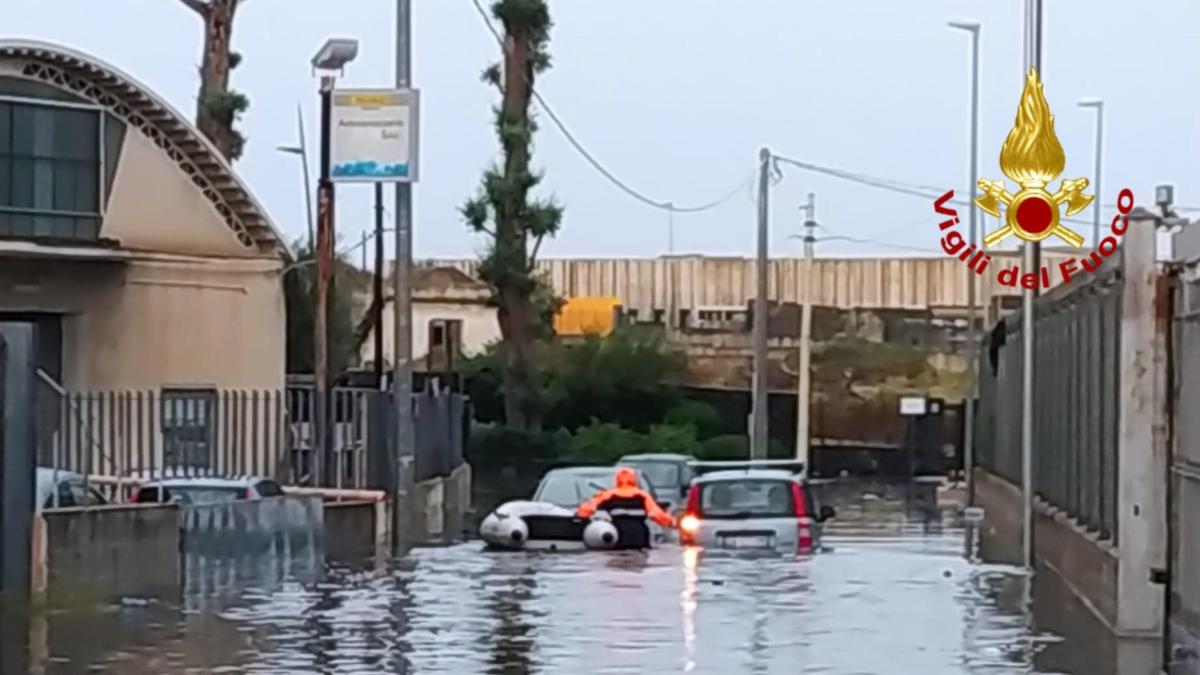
{"x": 1076, "y": 389}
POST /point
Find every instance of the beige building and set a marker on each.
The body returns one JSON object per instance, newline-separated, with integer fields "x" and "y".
{"x": 451, "y": 318}
{"x": 126, "y": 238}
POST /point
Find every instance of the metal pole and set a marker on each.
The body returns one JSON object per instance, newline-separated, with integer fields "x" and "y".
{"x": 325, "y": 262}
{"x": 308, "y": 212}
{"x": 803, "y": 363}
{"x": 670, "y": 228}
{"x": 378, "y": 287}
{"x": 759, "y": 407}
{"x": 972, "y": 281}
{"x": 1099, "y": 167}
{"x": 402, "y": 306}
{"x": 1033, "y": 35}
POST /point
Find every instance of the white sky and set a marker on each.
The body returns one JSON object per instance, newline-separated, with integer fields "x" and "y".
{"x": 677, "y": 96}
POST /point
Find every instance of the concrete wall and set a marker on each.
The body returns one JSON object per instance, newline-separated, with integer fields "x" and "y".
{"x": 1077, "y": 559}
{"x": 159, "y": 322}
{"x": 105, "y": 553}
{"x": 688, "y": 282}
{"x": 439, "y": 506}
{"x": 356, "y": 531}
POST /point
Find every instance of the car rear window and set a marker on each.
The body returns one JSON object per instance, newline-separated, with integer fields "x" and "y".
{"x": 659, "y": 474}
{"x": 206, "y": 495}
{"x": 747, "y": 498}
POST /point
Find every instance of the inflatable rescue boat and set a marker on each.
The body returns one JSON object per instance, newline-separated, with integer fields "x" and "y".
{"x": 542, "y": 526}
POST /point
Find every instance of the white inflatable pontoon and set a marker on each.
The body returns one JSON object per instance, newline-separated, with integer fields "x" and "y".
{"x": 542, "y": 526}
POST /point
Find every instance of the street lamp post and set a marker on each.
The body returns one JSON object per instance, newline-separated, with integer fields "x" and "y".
{"x": 1098, "y": 106}
{"x": 972, "y": 27}
{"x": 331, "y": 58}
{"x": 302, "y": 151}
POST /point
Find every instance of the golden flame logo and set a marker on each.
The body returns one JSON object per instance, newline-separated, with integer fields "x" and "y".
{"x": 1033, "y": 157}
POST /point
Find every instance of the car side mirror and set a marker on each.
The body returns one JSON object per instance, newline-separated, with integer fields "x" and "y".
{"x": 826, "y": 512}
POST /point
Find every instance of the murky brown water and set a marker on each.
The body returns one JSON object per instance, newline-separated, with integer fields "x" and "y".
{"x": 894, "y": 595}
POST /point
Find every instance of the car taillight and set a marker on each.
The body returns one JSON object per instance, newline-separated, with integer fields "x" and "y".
{"x": 690, "y": 522}
{"x": 804, "y": 541}
{"x": 133, "y": 496}
{"x": 693, "y": 501}
{"x": 249, "y": 494}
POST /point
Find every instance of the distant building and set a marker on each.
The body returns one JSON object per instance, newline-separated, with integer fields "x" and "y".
{"x": 452, "y": 319}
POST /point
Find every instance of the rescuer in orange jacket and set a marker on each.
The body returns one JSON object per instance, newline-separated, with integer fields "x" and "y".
{"x": 626, "y": 496}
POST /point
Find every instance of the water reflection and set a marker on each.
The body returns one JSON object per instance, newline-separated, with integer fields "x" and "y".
{"x": 895, "y": 595}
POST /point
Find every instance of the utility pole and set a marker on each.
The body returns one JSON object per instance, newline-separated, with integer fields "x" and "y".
{"x": 759, "y": 406}
{"x": 378, "y": 286}
{"x": 325, "y": 263}
{"x": 670, "y": 228}
{"x": 804, "y": 362}
{"x": 402, "y": 307}
{"x": 1032, "y": 259}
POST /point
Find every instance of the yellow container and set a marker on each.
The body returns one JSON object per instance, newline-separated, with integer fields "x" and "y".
{"x": 582, "y": 316}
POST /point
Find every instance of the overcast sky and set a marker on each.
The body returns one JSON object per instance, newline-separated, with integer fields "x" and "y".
{"x": 677, "y": 96}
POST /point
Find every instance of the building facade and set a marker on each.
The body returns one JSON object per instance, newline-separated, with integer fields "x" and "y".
{"x": 126, "y": 238}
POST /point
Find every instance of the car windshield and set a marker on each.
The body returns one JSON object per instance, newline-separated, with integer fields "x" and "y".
{"x": 747, "y": 498}
{"x": 659, "y": 474}
{"x": 571, "y": 490}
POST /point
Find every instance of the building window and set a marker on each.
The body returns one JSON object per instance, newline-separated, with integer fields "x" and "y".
{"x": 187, "y": 421}
{"x": 50, "y": 171}
{"x": 437, "y": 333}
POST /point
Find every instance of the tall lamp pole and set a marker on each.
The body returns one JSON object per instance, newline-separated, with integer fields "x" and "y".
{"x": 301, "y": 150}
{"x": 973, "y": 28}
{"x": 1097, "y": 105}
{"x": 402, "y": 306}
{"x": 331, "y": 58}
{"x": 1032, "y": 260}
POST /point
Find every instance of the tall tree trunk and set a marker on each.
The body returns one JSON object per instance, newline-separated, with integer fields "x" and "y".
{"x": 214, "y": 74}
{"x": 516, "y": 314}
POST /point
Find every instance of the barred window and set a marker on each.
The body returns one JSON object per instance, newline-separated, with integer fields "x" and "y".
{"x": 50, "y": 164}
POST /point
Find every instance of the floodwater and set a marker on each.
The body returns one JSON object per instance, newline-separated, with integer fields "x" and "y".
{"x": 896, "y": 593}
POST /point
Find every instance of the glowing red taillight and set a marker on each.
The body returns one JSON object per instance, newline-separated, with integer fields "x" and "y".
{"x": 693, "y": 501}
{"x": 133, "y": 495}
{"x": 804, "y": 541}
{"x": 690, "y": 521}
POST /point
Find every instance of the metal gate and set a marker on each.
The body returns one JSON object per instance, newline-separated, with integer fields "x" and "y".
{"x": 1183, "y": 485}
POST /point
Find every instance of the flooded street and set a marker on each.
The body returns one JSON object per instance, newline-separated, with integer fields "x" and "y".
{"x": 893, "y": 595}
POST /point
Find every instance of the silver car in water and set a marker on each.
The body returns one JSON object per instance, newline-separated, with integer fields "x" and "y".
{"x": 753, "y": 508}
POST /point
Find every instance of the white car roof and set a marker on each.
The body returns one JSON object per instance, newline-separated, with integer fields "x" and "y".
{"x": 752, "y": 474}
{"x": 206, "y": 481}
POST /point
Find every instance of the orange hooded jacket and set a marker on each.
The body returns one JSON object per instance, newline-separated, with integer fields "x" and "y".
{"x": 627, "y": 488}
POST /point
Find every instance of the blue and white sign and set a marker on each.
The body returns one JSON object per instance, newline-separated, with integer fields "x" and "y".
{"x": 374, "y": 136}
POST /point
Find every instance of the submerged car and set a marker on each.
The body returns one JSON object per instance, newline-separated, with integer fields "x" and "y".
{"x": 548, "y": 520}
{"x": 669, "y": 474}
{"x": 752, "y": 507}
{"x": 204, "y": 489}
{"x": 55, "y": 488}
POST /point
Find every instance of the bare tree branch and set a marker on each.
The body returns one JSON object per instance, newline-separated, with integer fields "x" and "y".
{"x": 197, "y": 6}
{"x": 533, "y": 255}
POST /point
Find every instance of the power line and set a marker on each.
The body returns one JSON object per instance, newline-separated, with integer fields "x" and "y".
{"x": 873, "y": 242}
{"x": 612, "y": 178}
{"x": 915, "y": 190}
